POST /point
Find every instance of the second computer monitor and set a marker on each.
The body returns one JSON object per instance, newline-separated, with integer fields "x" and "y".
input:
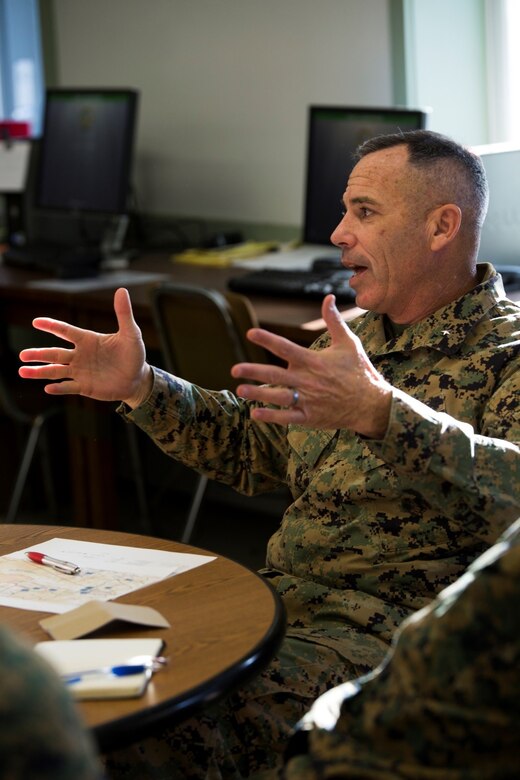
{"x": 86, "y": 150}
{"x": 334, "y": 133}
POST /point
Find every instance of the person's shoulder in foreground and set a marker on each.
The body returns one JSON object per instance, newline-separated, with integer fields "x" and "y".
{"x": 42, "y": 736}
{"x": 446, "y": 702}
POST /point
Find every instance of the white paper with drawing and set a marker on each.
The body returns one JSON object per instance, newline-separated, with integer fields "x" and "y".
{"x": 107, "y": 572}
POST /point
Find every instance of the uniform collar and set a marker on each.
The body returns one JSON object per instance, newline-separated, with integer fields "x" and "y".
{"x": 444, "y": 330}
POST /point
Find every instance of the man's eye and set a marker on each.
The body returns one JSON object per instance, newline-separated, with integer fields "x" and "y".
{"x": 365, "y": 212}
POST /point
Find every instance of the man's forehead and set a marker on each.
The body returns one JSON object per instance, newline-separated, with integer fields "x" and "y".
{"x": 379, "y": 171}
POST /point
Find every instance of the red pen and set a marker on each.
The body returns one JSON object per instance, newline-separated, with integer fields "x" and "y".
{"x": 64, "y": 566}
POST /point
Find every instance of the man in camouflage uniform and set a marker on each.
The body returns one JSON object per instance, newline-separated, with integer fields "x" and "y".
{"x": 445, "y": 704}
{"x": 398, "y": 439}
{"x": 42, "y": 737}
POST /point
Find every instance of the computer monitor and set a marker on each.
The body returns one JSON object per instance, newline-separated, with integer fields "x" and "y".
{"x": 500, "y": 238}
{"x": 86, "y": 150}
{"x": 81, "y": 177}
{"x": 334, "y": 133}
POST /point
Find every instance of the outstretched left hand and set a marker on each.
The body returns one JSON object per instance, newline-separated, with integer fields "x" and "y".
{"x": 336, "y": 387}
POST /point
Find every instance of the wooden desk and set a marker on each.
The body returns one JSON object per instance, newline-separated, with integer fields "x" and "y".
{"x": 20, "y": 303}
{"x": 226, "y": 624}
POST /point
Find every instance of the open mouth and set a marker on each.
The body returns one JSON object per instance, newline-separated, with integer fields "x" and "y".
{"x": 356, "y": 270}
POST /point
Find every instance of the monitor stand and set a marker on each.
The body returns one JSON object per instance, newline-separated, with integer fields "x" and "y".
{"x": 61, "y": 262}
{"x": 112, "y": 255}
{"x": 77, "y": 260}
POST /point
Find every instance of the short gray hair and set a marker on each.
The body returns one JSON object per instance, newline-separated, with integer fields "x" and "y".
{"x": 457, "y": 174}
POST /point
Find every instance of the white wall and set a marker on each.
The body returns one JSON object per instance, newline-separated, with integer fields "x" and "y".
{"x": 224, "y": 89}
{"x": 446, "y": 65}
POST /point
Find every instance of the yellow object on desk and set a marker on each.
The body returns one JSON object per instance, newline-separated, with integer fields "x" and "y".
{"x": 225, "y": 256}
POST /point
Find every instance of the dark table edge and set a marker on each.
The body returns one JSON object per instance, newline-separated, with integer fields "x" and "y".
{"x": 141, "y": 724}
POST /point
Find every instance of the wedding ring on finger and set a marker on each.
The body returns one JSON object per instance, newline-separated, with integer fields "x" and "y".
{"x": 295, "y": 397}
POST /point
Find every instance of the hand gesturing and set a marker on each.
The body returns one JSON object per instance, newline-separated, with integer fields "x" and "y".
{"x": 337, "y": 387}
{"x": 104, "y": 366}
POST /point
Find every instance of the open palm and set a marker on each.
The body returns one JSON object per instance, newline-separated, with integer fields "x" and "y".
{"x": 103, "y": 366}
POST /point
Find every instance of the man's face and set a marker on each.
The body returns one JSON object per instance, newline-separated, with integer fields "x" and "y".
{"x": 383, "y": 237}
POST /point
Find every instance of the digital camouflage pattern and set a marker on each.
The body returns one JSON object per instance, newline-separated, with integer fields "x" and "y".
{"x": 41, "y": 735}
{"x": 445, "y": 705}
{"x": 376, "y": 528}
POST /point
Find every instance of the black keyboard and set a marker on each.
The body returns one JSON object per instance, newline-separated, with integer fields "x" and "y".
{"x": 313, "y": 284}
{"x": 61, "y": 262}
{"x": 323, "y": 278}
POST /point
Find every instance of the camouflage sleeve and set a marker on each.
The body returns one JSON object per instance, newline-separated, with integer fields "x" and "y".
{"x": 228, "y": 447}
{"x": 453, "y": 467}
{"x": 445, "y": 703}
{"x": 42, "y": 737}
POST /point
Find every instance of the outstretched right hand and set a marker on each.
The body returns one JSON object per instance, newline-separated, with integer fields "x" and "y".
{"x": 104, "y": 366}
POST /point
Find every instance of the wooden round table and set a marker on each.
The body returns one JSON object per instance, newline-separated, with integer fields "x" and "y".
{"x": 226, "y": 623}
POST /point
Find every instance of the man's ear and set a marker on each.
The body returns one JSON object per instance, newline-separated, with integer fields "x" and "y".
{"x": 443, "y": 225}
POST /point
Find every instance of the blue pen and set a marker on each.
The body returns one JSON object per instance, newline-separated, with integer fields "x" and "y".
{"x": 118, "y": 671}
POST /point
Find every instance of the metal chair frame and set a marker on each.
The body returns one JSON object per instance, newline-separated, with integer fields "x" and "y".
{"x": 36, "y": 424}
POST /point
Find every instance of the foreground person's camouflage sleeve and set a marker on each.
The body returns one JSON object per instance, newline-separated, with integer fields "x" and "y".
{"x": 446, "y": 703}
{"x": 41, "y": 737}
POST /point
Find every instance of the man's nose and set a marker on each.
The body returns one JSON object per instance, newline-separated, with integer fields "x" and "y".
{"x": 342, "y": 235}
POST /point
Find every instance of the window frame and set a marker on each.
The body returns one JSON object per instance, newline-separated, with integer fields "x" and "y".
{"x": 21, "y": 95}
